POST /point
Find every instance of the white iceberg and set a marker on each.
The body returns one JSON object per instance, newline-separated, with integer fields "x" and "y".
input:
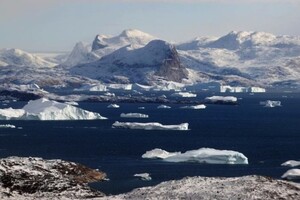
{"x": 202, "y": 155}
{"x": 270, "y": 104}
{"x": 184, "y": 94}
{"x": 150, "y": 126}
{"x": 196, "y": 107}
{"x": 44, "y": 109}
{"x": 291, "y": 174}
{"x": 93, "y": 88}
{"x": 134, "y": 115}
{"x": 7, "y": 126}
{"x": 141, "y": 108}
{"x": 144, "y": 176}
{"x": 163, "y": 107}
{"x": 225, "y": 99}
{"x": 113, "y": 106}
{"x": 291, "y": 163}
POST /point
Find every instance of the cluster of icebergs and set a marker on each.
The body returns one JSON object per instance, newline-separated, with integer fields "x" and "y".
{"x": 202, "y": 155}
{"x": 44, "y": 109}
{"x": 291, "y": 174}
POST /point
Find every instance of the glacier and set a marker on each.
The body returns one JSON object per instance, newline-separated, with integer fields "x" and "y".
{"x": 44, "y": 109}
{"x": 202, "y": 155}
{"x": 150, "y": 126}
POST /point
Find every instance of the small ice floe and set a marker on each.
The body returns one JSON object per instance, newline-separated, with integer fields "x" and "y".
{"x": 134, "y": 115}
{"x": 113, "y": 106}
{"x": 163, "y": 107}
{"x": 221, "y": 99}
{"x": 144, "y": 176}
{"x": 291, "y": 174}
{"x": 202, "y": 155}
{"x": 270, "y": 104}
{"x": 291, "y": 163}
{"x": 109, "y": 94}
{"x": 150, "y": 126}
{"x": 73, "y": 103}
{"x": 141, "y": 108}
{"x": 7, "y": 126}
{"x": 184, "y": 94}
{"x": 197, "y": 107}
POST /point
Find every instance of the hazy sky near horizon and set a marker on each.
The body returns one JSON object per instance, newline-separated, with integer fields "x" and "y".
{"x": 56, "y": 25}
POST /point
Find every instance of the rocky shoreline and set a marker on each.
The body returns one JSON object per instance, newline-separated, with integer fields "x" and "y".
{"x": 37, "y": 178}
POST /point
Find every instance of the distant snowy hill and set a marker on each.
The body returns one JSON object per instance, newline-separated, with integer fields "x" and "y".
{"x": 129, "y": 64}
{"x": 17, "y": 57}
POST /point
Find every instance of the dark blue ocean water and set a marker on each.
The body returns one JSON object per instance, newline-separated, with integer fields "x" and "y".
{"x": 267, "y": 136}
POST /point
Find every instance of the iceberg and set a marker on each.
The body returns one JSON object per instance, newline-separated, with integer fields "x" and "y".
{"x": 7, "y": 126}
{"x": 44, "y": 109}
{"x": 202, "y": 155}
{"x": 150, "y": 126}
{"x": 291, "y": 163}
{"x": 184, "y": 94}
{"x": 291, "y": 174}
{"x": 141, "y": 108}
{"x": 163, "y": 107}
{"x": 197, "y": 107}
{"x": 270, "y": 104}
{"x": 134, "y": 115}
{"x": 144, "y": 176}
{"x": 222, "y": 99}
{"x": 113, "y": 106}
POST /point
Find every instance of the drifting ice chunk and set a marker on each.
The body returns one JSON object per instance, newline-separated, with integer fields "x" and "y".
{"x": 291, "y": 174}
{"x": 144, "y": 176}
{"x": 201, "y": 106}
{"x": 270, "y": 104}
{"x": 150, "y": 126}
{"x": 291, "y": 163}
{"x": 226, "y": 99}
{"x": 184, "y": 94}
{"x": 73, "y": 103}
{"x": 163, "y": 107}
{"x": 113, "y": 106}
{"x": 134, "y": 115}
{"x": 44, "y": 109}
{"x": 202, "y": 155}
{"x": 7, "y": 126}
{"x": 141, "y": 108}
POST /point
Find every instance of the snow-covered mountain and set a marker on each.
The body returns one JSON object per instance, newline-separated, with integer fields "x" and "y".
{"x": 17, "y": 57}
{"x": 157, "y": 59}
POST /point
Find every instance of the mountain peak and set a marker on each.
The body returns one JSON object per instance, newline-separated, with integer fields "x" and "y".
{"x": 134, "y": 33}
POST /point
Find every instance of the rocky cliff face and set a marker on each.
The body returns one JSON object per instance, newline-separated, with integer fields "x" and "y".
{"x": 36, "y": 178}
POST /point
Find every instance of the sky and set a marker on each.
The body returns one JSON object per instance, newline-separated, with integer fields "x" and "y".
{"x": 56, "y": 25}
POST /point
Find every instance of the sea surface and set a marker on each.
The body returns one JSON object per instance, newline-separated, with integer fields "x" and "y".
{"x": 267, "y": 136}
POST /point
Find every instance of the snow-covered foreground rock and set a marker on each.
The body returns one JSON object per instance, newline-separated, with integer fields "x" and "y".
{"x": 36, "y": 178}
{"x": 202, "y": 155}
{"x": 291, "y": 174}
{"x": 291, "y": 163}
{"x": 150, "y": 126}
{"x": 270, "y": 104}
{"x": 207, "y": 188}
{"x": 44, "y": 109}
{"x": 134, "y": 115}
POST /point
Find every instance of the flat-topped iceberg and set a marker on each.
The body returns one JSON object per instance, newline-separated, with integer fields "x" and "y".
{"x": 196, "y": 107}
{"x": 113, "y": 106}
{"x": 44, "y": 109}
{"x": 202, "y": 155}
{"x": 291, "y": 174}
{"x": 144, "y": 176}
{"x": 150, "y": 126}
{"x": 222, "y": 99}
{"x": 134, "y": 115}
{"x": 270, "y": 104}
{"x": 291, "y": 163}
{"x": 7, "y": 126}
{"x": 184, "y": 94}
{"x": 163, "y": 107}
